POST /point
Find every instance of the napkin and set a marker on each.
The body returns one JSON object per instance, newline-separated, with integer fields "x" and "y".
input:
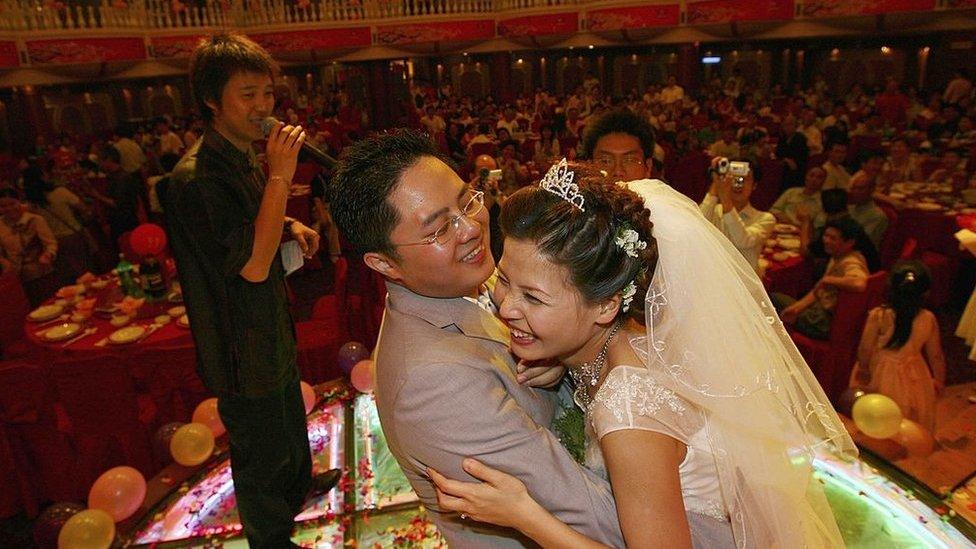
{"x": 291, "y": 256}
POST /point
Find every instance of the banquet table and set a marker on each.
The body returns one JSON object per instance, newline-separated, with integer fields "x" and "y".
{"x": 161, "y": 364}
{"x": 784, "y": 269}
{"x": 927, "y": 212}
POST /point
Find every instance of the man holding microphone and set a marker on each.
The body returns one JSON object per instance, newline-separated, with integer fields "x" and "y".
{"x": 225, "y": 221}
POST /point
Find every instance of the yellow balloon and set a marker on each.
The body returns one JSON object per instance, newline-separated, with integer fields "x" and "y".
{"x": 915, "y": 438}
{"x": 89, "y": 529}
{"x": 192, "y": 444}
{"x": 877, "y": 416}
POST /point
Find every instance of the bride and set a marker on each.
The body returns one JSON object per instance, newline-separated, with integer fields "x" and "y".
{"x": 698, "y": 406}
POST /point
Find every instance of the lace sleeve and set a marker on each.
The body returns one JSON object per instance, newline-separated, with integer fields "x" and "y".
{"x": 630, "y": 398}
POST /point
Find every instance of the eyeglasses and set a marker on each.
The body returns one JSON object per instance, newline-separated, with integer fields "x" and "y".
{"x": 609, "y": 162}
{"x": 446, "y": 231}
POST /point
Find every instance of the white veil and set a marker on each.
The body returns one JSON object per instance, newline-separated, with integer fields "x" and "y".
{"x": 714, "y": 335}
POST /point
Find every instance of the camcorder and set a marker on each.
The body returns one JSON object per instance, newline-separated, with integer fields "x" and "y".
{"x": 486, "y": 176}
{"x": 738, "y": 170}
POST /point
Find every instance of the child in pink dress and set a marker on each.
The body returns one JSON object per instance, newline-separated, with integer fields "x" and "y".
{"x": 890, "y": 360}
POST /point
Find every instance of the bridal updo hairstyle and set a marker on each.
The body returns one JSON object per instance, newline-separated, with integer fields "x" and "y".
{"x": 583, "y": 241}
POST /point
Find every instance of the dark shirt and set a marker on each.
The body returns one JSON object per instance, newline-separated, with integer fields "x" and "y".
{"x": 244, "y": 334}
{"x": 124, "y": 190}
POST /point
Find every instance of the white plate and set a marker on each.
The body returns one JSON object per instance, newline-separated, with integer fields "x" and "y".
{"x": 126, "y": 335}
{"x": 176, "y": 311}
{"x": 789, "y": 243}
{"x": 45, "y": 313}
{"x": 62, "y": 332}
{"x": 183, "y": 321}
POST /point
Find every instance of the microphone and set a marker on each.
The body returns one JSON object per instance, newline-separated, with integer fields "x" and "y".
{"x": 309, "y": 150}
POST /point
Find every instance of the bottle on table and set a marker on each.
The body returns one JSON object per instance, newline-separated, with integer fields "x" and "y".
{"x": 127, "y": 278}
{"x": 153, "y": 284}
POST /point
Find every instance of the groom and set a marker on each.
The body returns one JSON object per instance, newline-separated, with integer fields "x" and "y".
{"x": 446, "y": 384}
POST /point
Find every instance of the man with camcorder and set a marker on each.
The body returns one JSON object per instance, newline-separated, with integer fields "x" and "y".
{"x": 727, "y": 206}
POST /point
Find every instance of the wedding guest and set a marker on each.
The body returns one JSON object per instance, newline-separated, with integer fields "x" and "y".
{"x": 890, "y": 355}
{"x": 29, "y": 246}
{"x": 793, "y": 150}
{"x": 727, "y": 207}
{"x": 902, "y": 165}
{"x": 951, "y": 163}
{"x": 132, "y": 156}
{"x": 622, "y": 144}
{"x": 863, "y": 208}
{"x": 61, "y": 208}
{"x": 847, "y": 270}
{"x": 805, "y": 198}
{"x": 836, "y": 175}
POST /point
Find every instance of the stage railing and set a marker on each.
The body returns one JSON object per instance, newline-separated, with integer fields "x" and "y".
{"x": 53, "y": 15}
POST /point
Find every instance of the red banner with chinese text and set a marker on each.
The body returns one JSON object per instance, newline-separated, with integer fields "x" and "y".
{"x": 727, "y": 11}
{"x": 174, "y": 46}
{"x": 540, "y": 25}
{"x": 8, "y": 54}
{"x": 834, "y": 8}
{"x": 633, "y": 18}
{"x": 321, "y": 39}
{"x": 419, "y": 33}
{"x": 86, "y": 50}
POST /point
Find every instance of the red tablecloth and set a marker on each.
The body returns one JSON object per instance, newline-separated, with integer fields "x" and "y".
{"x": 163, "y": 365}
{"x": 792, "y": 276}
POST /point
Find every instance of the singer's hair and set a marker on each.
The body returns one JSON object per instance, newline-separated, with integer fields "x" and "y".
{"x": 218, "y": 58}
{"x": 619, "y": 121}
{"x": 367, "y": 174}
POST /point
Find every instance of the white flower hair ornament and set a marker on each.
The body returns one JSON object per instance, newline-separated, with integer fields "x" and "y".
{"x": 627, "y": 296}
{"x": 629, "y": 241}
{"x": 559, "y": 181}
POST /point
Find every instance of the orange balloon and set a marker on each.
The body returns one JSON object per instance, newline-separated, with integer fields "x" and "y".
{"x": 207, "y": 414}
{"x": 915, "y": 438}
{"x": 88, "y": 529}
{"x": 363, "y": 376}
{"x": 308, "y": 396}
{"x": 192, "y": 444}
{"x": 119, "y": 492}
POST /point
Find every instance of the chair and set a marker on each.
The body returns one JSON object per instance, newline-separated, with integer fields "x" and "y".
{"x": 34, "y": 454}
{"x": 833, "y": 359}
{"x": 13, "y": 311}
{"x": 110, "y": 422}
{"x": 320, "y": 337}
{"x": 889, "y": 251}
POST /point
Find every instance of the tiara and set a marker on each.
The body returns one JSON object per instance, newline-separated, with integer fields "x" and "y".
{"x": 559, "y": 181}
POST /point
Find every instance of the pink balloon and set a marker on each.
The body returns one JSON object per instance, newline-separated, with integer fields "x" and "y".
{"x": 207, "y": 414}
{"x": 363, "y": 376}
{"x": 119, "y": 492}
{"x": 308, "y": 397}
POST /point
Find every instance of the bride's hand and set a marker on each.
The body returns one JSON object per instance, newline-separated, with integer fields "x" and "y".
{"x": 545, "y": 374}
{"x": 500, "y": 499}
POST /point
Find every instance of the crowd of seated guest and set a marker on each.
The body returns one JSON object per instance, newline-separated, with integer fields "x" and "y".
{"x": 857, "y": 141}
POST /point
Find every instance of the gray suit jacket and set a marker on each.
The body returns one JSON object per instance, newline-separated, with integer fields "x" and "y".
{"x": 446, "y": 389}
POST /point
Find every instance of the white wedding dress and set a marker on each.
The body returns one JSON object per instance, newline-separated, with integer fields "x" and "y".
{"x": 633, "y": 397}
{"x": 722, "y": 376}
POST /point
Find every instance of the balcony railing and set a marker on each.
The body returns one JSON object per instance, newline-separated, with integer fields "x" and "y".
{"x": 52, "y": 15}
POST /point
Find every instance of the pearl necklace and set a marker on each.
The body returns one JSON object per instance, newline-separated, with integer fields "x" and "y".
{"x": 588, "y": 373}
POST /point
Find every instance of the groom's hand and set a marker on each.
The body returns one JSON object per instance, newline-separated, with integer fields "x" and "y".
{"x": 539, "y": 373}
